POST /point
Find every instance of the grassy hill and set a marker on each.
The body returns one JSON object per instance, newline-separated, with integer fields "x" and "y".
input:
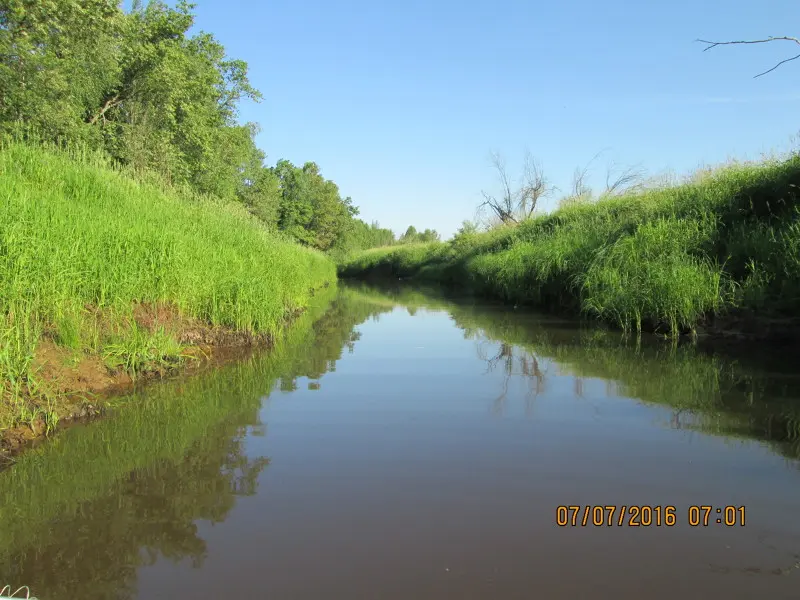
{"x": 724, "y": 245}
{"x": 103, "y": 274}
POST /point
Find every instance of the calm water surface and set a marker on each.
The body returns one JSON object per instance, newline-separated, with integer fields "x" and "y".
{"x": 402, "y": 446}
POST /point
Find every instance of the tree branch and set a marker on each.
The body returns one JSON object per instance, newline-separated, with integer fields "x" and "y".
{"x": 109, "y": 104}
{"x": 783, "y": 38}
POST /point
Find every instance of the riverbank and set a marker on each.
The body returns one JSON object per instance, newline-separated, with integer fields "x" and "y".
{"x": 107, "y": 280}
{"x": 718, "y": 254}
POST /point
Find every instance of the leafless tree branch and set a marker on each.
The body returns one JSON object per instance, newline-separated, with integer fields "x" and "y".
{"x": 784, "y": 38}
{"x": 534, "y": 186}
{"x": 514, "y": 205}
{"x": 503, "y": 206}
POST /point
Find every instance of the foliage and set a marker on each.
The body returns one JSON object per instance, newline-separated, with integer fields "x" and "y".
{"x": 79, "y": 238}
{"x": 137, "y": 86}
{"x": 412, "y": 236}
{"x": 664, "y": 259}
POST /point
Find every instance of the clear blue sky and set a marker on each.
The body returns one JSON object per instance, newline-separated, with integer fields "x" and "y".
{"x": 401, "y": 103}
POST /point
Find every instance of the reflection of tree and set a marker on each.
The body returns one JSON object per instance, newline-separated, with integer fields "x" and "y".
{"x": 524, "y": 364}
{"x": 95, "y": 551}
{"x": 725, "y": 394}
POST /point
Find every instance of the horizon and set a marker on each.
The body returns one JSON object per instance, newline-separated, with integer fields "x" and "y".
{"x": 406, "y": 130}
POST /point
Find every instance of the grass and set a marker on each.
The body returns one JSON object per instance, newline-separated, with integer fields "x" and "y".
{"x": 666, "y": 259}
{"x": 79, "y": 239}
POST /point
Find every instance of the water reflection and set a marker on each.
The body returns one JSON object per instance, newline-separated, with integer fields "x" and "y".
{"x": 752, "y": 396}
{"x": 81, "y": 515}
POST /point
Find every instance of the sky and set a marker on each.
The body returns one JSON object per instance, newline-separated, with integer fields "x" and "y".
{"x": 402, "y": 103}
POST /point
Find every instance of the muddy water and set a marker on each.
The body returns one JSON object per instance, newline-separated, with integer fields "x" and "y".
{"x": 401, "y": 446}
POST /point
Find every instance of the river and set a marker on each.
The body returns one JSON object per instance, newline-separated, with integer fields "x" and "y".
{"x": 402, "y": 445}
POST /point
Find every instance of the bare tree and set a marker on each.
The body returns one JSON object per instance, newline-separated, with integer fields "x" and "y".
{"x": 534, "y": 186}
{"x": 503, "y": 206}
{"x": 580, "y": 188}
{"x": 516, "y": 203}
{"x": 710, "y": 45}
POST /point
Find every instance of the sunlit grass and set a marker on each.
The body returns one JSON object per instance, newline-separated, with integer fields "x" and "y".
{"x": 665, "y": 258}
{"x": 78, "y": 237}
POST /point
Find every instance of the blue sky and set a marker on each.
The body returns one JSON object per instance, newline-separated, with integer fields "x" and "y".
{"x": 401, "y": 103}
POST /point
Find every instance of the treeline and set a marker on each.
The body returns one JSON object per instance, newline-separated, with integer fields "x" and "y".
{"x": 412, "y": 236}
{"x": 136, "y": 86}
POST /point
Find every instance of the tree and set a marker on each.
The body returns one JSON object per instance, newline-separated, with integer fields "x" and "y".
{"x": 154, "y": 98}
{"x": 467, "y": 228}
{"x": 711, "y": 45}
{"x": 429, "y": 235}
{"x": 409, "y": 236}
{"x": 516, "y": 203}
{"x": 296, "y": 210}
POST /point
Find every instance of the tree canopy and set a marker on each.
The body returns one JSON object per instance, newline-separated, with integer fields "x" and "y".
{"x": 155, "y": 98}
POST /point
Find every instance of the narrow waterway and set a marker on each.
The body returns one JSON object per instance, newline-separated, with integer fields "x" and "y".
{"x": 399, "y": 445}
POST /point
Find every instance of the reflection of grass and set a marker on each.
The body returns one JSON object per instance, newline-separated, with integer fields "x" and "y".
{"x": 97, "y": 495}
{"x": 723, "y": 396}
{"x": 85, "y": 463}
{"x": 95, "y": 550}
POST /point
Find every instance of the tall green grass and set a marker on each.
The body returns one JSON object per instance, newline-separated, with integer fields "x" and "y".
{"x": 78, "y": 237}
{"x": 665, "y": 259}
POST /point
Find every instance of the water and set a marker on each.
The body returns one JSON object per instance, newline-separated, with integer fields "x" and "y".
{"x": 402, "y": 446}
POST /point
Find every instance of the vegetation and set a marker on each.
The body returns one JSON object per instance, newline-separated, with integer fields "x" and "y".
{"x": 136, "y": 86}
{"x": 726, "y": 243}
{"x": 83, "y": 244}
{"x": 126, "y": 180}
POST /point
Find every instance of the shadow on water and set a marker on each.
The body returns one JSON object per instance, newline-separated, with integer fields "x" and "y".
{"x": 81, "y": 514}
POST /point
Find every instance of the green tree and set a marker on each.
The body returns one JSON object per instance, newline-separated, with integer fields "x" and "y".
{"x": 137, "y": 86}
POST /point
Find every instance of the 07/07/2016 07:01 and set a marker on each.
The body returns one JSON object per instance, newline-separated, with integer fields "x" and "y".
{"x": 609, "y": 515}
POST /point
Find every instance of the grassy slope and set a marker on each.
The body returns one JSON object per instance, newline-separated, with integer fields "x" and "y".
{"x": 78, "y": 238}
{"x": 666, "y": 258}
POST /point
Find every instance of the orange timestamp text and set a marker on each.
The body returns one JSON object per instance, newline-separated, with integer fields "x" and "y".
{"x": 645, "y": 515}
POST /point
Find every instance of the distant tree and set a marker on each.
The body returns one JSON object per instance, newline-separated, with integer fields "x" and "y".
{"x": 410, "y": 235}
{"x": 429, "y": 235}
{"x": 467, "y": 228}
